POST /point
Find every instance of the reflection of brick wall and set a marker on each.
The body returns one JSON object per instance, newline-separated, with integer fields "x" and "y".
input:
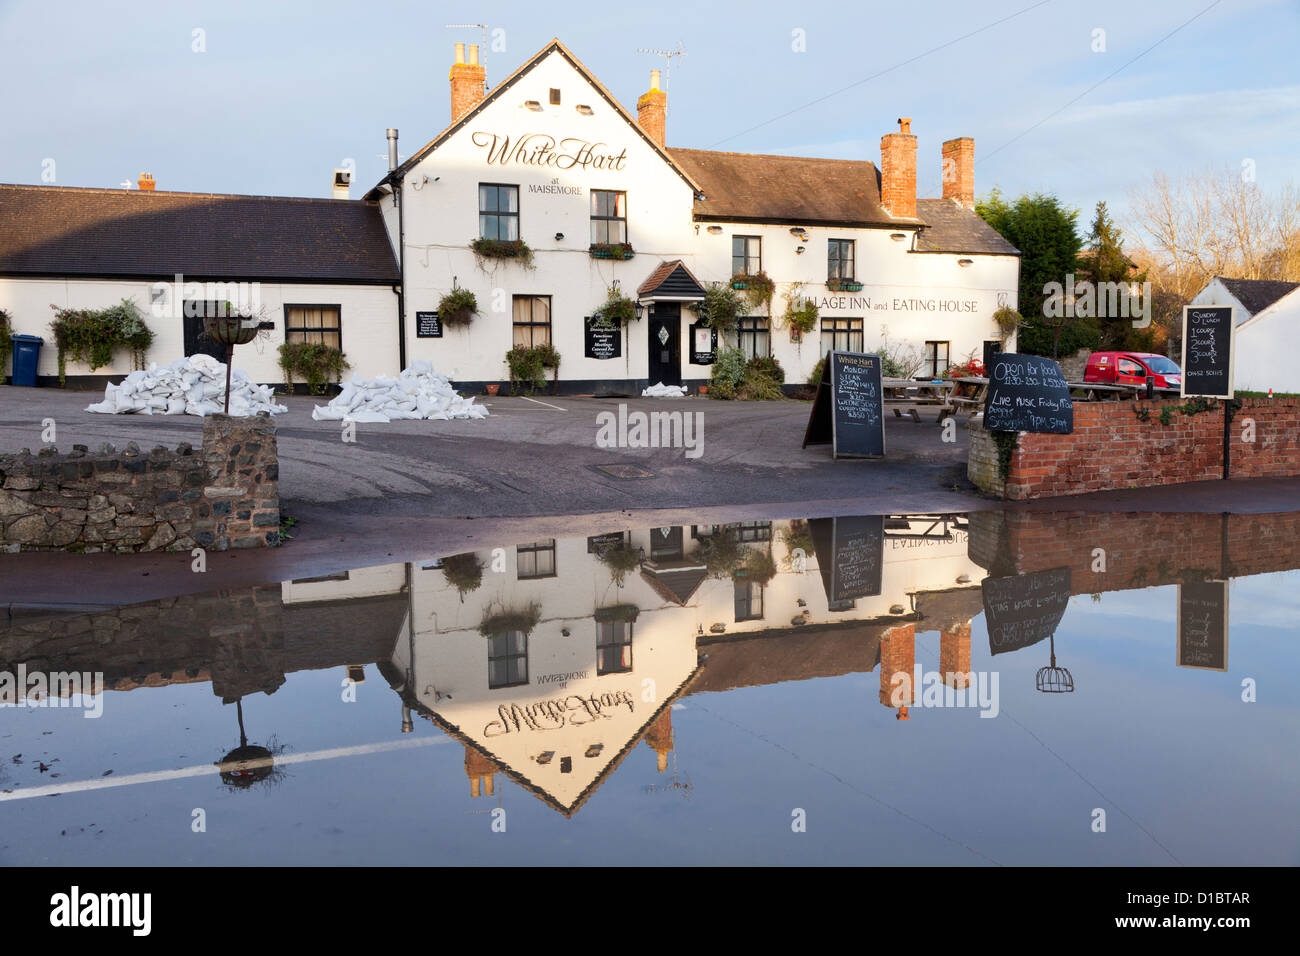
{"x": 1112, "y": 448}
{"x": 954, "y": 655}
{"x": 897, "y": 656}
{"x": 1141, "y": 550}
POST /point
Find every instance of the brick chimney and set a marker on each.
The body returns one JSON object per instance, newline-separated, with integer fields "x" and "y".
{"x": 652, "y": 110}
{"x": 146, "y": 181}
{"x": 898, "y": 171}
{"x": 954, "y": 655}
{"x": 959, "y": 171}
{"x": 467, "y": 81}
{"x": 897, "y": 656}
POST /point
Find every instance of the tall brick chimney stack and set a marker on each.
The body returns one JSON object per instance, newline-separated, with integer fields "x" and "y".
{"x": 898, "y": 171}
{"x": 146, "y": 181}
{"x": 959, "y": 171}
{"x": 467, "y": 81}
{"x": 652, "y": 110}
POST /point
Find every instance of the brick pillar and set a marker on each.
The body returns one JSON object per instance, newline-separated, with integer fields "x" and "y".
{"x": 659, "y": 737}
{"x": 481, "y": 773}
{"x": 898, "y": 171}
{"x": 959, "y": 170}
{"x": 240, "y": 505}
{"x": 954, "y": 655}
{"x": 897, "y": 656}
{"x": 467, "y": 81}
{"x": 652, "y": 110}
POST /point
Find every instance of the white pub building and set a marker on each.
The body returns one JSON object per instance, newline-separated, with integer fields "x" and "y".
{"x": 549, "y": 164}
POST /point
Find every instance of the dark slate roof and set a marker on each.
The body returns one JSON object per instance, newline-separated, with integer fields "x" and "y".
{"x": 65, "y": 231}
{"x": 954, "y": 228}
{"x": 1257, "y": 294}
{"x": 671, "y": 279}
{"x": 787, "y": 189}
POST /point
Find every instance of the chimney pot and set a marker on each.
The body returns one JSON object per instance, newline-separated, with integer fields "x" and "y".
{"x": 473, "y": 54}
{"x": 146, "y": 182}
{"x": 654, "y": 79}
{"x": 905, "y": 124}
{"x": 460, "y": 53}
{"x": 392, "y": 149}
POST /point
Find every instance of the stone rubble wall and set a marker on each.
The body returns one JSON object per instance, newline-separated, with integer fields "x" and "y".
{"x": 224, "y": 496}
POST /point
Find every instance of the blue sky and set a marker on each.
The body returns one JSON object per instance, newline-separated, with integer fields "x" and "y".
{"x": 286, "y": 91}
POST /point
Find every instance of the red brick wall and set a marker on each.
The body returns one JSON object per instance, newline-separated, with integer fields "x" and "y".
{"x": 652, "y": 114}
{"x": 1112, "y": 448}
{"x": 897, "y": 656}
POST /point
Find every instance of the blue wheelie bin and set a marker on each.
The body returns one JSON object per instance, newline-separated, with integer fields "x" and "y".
{"x": 27, "y": 351}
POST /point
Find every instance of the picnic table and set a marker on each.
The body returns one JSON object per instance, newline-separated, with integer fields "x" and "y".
{"x": 911, "y": 397}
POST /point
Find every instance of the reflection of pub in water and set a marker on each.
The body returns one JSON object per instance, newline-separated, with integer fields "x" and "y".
{"x": 552, "y": 661}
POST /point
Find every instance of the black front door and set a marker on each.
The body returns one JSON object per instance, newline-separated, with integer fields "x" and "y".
{"x": 195, "y": 341}
{"x": 665, "y": 329}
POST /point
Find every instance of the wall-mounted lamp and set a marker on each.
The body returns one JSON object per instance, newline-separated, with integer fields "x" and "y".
{"x": 559, "y": 237}
{"x": 798, "y": 250}
{"x": 533, "y": 105}
{"x": 963, "y": 579}
{"x": 584, "y": 109}
{"x": 965, "y": 262}
{"x": 800, "y": 233}
{"x": 898, "y": 236}
{"x": 715, "y": 230}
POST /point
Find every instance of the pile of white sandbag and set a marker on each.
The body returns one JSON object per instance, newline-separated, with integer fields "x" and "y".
{"x": 195, "y": 385}
{"x": 660, "y": 390}
{"x": 418, "y": 392}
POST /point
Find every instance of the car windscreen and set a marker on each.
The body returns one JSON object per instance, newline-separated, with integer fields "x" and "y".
{"x": 1162, "y": 365}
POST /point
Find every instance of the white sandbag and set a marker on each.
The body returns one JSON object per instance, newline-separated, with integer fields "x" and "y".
{"x": 660, "y": 390}
{"x": 418, "y": 393}
{"x": 189, "y": 386}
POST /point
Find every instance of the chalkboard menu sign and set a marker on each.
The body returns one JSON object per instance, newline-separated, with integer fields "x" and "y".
{"x": 704, "y": 344}
{"x": 601, "y": 342}
{"x": 1027, "y": 394}
{"x": 1208, "y": 334}
{"x": 848, "y": 412}
{"x": 1203, "y": 625}
{"x": 600, "y": 543}
{"x": 1025, "y": 608}
{"x": 850, "y": 555}
{"x": 428, "y": 325}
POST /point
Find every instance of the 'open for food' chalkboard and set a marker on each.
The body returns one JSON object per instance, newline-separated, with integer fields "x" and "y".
{"x": 1208, "y": 335}
{"x": 849, "y": 410}
{"x": 1027, "y": 394}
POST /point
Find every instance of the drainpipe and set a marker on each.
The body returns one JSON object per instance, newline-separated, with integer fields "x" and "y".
{"x": 398, "y": 184}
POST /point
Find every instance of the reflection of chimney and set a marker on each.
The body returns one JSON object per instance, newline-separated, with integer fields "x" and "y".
{"x": 659, "y": 737}
{"x": 408, "y": 724}
{"x": 898, "y": 171}
{"x": 467, "y": 81}
{"x": 954, "y": 656}
{"x": 897, "y": 656}
{"x": 147, "y": 182}
{"x": 959, "y": 171}
{"x": 652, "y": 110}
{"x": 481, "y": 773}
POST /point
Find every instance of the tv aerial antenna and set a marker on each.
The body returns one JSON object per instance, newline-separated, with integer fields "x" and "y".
{"x": 482, "y": 49}
{"x": 668, "y": 57}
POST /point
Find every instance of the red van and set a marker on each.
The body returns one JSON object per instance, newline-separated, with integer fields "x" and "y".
{"x": 1132, "y": 368}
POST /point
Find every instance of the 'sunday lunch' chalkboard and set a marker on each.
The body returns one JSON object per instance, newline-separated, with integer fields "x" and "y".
{"x": 850, "y": 555}
{"x": 1208, "y": 335}
{"x": 601, "y": 342}
{"x": 1025, "y": 608}
{"x": 1027, "y": 394}
{"x": 428, "y": 325}
{"x": 848, "y": 412}
{"x": 1203, "y": 625}
{"x": 704, "y": 344}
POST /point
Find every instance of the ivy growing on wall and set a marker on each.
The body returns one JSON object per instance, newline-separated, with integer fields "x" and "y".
{"x": 93, "y": 335}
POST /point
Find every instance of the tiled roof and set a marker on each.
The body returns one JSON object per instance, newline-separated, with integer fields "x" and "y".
{"x": 1257, "y": 294}
{"x": 788, "y": 189}
{"x": 672, "y": 278}
{"x": 954, "y": 228}
{"x": 59, "y": 230}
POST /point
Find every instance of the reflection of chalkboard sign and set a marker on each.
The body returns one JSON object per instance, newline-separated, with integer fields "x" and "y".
{"x": 600, "y": 543}
{"x": 848, "y": 412}
{"x": 850, "y": 555}
{"x": 428, "y": 325}
{"x": 1208, "y": 336}
{"x": 600, "y": 342}
{"x": 1027, "y": 394}
{"x": 704, "y": 344}
{"x": 1025, "y": 608}
{"x": 1203, "y": 625}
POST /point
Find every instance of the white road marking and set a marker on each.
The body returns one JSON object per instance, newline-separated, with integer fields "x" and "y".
{"x": 547, "y": 404}
{"x": 160, "y": 776}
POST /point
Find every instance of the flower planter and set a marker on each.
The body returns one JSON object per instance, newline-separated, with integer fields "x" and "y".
{"x": 616, "y": 251}
{"x": 843, "y": 285}
{"x": 494, "y": 388}
{"x": 737, "y": 284}
{"x": 704, "y": 389}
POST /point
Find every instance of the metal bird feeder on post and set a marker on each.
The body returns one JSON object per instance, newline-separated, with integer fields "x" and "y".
{"x": 232, "y": 330}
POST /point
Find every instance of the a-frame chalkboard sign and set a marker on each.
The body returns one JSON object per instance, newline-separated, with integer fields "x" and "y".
{"x": 848, "y": 412}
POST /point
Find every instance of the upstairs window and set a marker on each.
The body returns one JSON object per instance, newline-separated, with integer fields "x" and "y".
{"x": 839, "y": 261}
{"x": 536, "y": 560}
{"x": 746, "y": 255}
{"x": 507, "y": 659}
{"x": 608, "y": 216}
{"x": 498, "y": 211}
{"x": 613, "y": 647}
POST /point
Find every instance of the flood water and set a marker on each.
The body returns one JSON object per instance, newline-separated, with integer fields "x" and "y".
{"x": 1028, "y": 688}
